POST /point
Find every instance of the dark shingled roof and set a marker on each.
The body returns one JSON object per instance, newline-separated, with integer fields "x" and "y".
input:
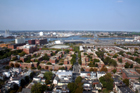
{"x": 126, "y": 90}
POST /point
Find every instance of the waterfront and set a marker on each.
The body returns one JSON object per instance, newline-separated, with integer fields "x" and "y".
{"x": 70, "y": 38}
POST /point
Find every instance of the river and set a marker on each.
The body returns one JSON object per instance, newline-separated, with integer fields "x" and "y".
{"x": 69, "y": 38}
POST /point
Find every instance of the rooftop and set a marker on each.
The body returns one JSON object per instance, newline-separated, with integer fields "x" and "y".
{"x": 126, "y": 90}
{"x": 131, "y": 73}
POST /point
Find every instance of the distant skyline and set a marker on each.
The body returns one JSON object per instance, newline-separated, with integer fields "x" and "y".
{"x": 100, "y": 15}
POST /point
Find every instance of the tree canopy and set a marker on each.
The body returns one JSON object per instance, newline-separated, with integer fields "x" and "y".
{"x": 107, "y": 81}
{"x": 109, "y": 61}
{"x": 45, "y": 57}
{"x": 38, "y": 88}
{"x": 104, "y": 69}
{"x": 48, "y": 76}
{"x": 73, "y": 60}
{"x": 126, "y": 81}
{"x": 76, "y": 87}
{"x": 7, "y": 53}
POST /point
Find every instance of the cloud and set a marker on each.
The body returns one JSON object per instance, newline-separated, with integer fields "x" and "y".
{"x": 119, "y": 1}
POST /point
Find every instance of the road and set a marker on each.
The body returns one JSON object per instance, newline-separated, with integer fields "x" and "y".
{"x": 76, "y": 68}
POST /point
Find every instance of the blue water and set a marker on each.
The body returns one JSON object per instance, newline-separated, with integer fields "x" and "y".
{"x": 69, "y": 38}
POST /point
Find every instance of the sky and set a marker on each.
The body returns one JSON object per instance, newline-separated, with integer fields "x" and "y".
{"x": 102, "y": 15}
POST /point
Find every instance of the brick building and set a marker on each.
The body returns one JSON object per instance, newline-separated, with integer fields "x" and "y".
{"x": 31, "y": 42}
{"x": 130, "y": 74}
{"x": 40, "y": 41}
{"x": 28, "y": 48}
{"x": 14, "y": 46}
{"x": 37, "y": 41}
{"x": 66, "y": 61}
{"x": 53, "y": 59}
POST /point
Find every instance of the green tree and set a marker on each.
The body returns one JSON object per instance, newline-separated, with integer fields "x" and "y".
{"x": 67, "y": 51}
{"x": 20, "y": 89}
{"x": 72, "y": 87}
{"x": 22, "y": 83}
{"x": 60, "y": 63}
{"x": 45, "y": 57}
{"x": 46, "y": 67}
{"x": 1, "y": 83}
{"x": 96, "y": 65}
{"x": 114, "y": 71}
{"x": 100, "y": 53}
{"x": 104, "y": 69}
{"x": 132, "y": 58}
{"x": 106, "y": 60}
{"x": 76, "y": 87}
{"x": 82, "y": 69}
{"x": 126, "y": 81}
{"x": 131, "y": 66}
{"x": 7, "y": 67}
{"x": 14, "y": 58}
{"x": 32, "y": 75}
{"x": 112, "y": 62}
{"x": 36, "y": 60}
{"x": 96, "y": 60}
{"x": 39, "y": 67}
{"x": 62, "y": 68}
{"x": 14, "y": 89}
{"x": 73, "y": 60}
{"x": 120, "y": 60}
{"x": 107, "y": 81}
{"x": 11, "y": 65}
{"x": 79, "y": 90}
{"x": 49, "y": 63}
{"x": 137, "y": 60}
{"x": 78, "y": 80}
{"x": 22, "y": 53}
{"x": 121, "y": 53}
{"x": 27, "y": 79}
{"x": 127, "y": 65}
{"x": 17, "y": 65}
{"x": 38, "y": 88}
{"x": 115, "y": 56}
{"x": 48, "y": 75}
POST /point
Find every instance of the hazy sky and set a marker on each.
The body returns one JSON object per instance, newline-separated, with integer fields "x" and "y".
{"x": 70, "y": 15}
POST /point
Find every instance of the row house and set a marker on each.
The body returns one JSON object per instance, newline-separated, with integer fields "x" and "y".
{"x": 130, "y": 74}
{"x": 54, "y": 59}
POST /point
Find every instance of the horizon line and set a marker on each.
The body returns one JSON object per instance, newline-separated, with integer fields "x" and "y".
{"x": 74, "y": 30}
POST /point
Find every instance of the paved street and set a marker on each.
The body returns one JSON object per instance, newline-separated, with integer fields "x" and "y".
{"x": 76, "y": 68}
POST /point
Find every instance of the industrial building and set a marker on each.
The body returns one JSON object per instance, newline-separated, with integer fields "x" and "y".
{"x": 19, "y": 40}
{"x": 37, "y": 41}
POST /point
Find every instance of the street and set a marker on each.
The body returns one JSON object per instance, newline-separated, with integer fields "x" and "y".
{"x": 76, "y": 68}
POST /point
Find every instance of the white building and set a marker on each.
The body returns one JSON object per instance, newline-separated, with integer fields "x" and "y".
{"x": 7, "y": 74}
{"x": 40, "y": 33}
{"x": 81, "y": 48}
{"x": 62, "y": 77}
{"x": 17, "y": 81}
{"x": 20, "y": 40}
{"x": 64, "y": 73}
{"x": 85, "y": 74}
{"x": 55, "y": 81}
{"x": 37, "y": 79}
{"x": 129, "y": 40}
{"x": 58, "y": 42}
{"x": 18, "y": 70}
{"x": 136, "y": 86}
{"x": 100, "y": 74}
{"x": 137, "y": 38}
